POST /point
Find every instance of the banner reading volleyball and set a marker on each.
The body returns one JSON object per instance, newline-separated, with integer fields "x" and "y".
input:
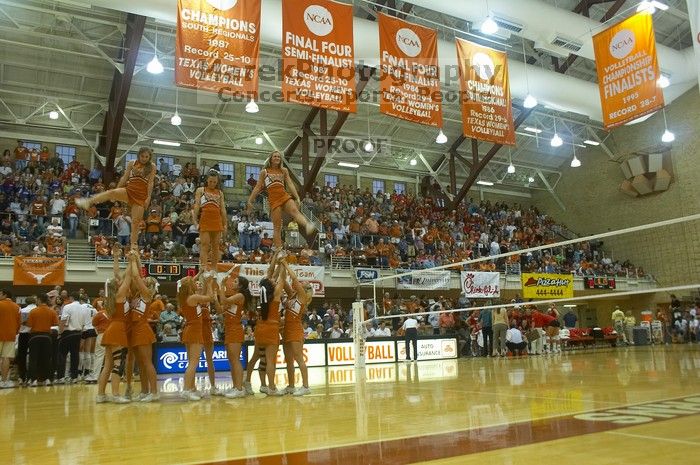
{"x": 217, "y": 45}
{"x": 318, "y": 51}
{"x": 625, "y": 57}
{"x": 487, "y": 113}
{"x": 39, "y": 271}
{"x": 410, "y": 79}
{"x": 545, "y": 286}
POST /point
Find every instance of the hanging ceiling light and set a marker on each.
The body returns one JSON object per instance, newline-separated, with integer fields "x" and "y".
{"x": 413, "y": 162}
{"x": 663, "y": 82}
{"x": 575, "y": 163}
{"x": 176, "y": 120}
{"x": 511, "y": 166}
{"x": 258, "y": 140}
{"x": 530, "y": 101}
{"x": 441, "y": 138}
{"x": 155, "y": 66}
{"x": 556, "y": 140}
{"x": 489, "y": 26}
{"x": 53, "y": 114}
{"x": 530, "y": 179}
{"x": 368, "y": 147}
{"x": 667, "y": 136}
{"x": 251, "y": 106}
{"x": 484, "y": 183}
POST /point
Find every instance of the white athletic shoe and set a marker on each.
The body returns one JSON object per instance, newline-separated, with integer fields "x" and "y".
{"x": 148, "y": 398}
{"x": 248, "y": 388}
{"x": 9, "y": 384}
{"x": 264, "y": 390}
{"x": 289, "y": 390}
{"x": 275, "y": 392}
{"x": 216, "y": 392}
{"x": 120, "y": 400}
{"x": 34, "y": 383}
{"x": 47, "y": 382}
{"x": 190, "y": 395}
{"x": 301, "y": 391}
{"x": 235, "y": 394}
{"x": 101, "y": 399}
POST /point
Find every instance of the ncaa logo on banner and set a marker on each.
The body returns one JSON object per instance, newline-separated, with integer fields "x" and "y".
{"x": 365, "y": 275}
{"x": 222, "y": 4}
{"x": 408, "y": 42}
{"x": 483, "y": 65}
{"x": 319, "y": 20}
{"x": 622, "y": 44}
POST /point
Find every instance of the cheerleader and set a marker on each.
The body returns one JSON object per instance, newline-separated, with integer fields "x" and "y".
{"x": 114, "y": 339}
{"x": 275, "y": 179}
{"x": 190, "y": 296}
{"x": 134, "y": 188}
{"x": 267, "y": 335}
{"x": 141, "y": 336}
{"x": 208, "y": 346}
{"x": 298, "y": 299}
{"x": 232, "y": 307}
{"x": 210, "y": 212}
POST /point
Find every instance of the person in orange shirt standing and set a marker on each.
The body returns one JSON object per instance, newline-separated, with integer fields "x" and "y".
{"x": 135, "y": 188}
{"x": 40, "y": 321}
{"x": 190, "y": 297}
{"x": 210, "y": 212}
{"x": 275, "y": 179}
{"x": 10, "y": 321}
{"x": 232, "y": 308}
{"x": 298, "y": 299}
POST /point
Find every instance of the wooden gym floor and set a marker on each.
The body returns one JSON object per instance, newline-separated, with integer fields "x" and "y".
{"x": 625, "y": 406}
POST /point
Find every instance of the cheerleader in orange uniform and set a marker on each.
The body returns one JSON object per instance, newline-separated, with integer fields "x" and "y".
{"x": 189, "y": 298}
{"x": 233, "y": 306}
{"x": 114, "y": 338}
{"x": 267, "y": 334}
{"x": 141, "y": 337}
{"x": 275, "y": 179}
{"x": 298, "y": 299}
{"x": 134, "y": 188}
{"x": 210, "y": 211}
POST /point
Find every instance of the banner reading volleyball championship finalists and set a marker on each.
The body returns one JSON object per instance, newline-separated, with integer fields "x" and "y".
{"x": 39, "y": 271}
{"x": 217, "y": 45}
{"x": 487, "y": 113}
{"x": 694, "y": 14}
{"x": 318, "y": 51}
{"x": 410, "y": 79}
{"x": 625, "y": 57}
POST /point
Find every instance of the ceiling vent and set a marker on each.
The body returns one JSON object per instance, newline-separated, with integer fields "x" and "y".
{"x": 566, "y": 43}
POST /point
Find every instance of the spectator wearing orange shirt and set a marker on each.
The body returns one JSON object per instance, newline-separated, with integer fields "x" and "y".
{"x": 446, "y": 322}
{"x": 21, "y": 155}
{"x": 71, "y": 213}
{"x": 40, "y": 320}
{"x": 9, "y": 327}
{"x": 152, "y": 225}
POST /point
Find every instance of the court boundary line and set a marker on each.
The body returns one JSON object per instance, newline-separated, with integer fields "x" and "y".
{"x": 656, "y": 438}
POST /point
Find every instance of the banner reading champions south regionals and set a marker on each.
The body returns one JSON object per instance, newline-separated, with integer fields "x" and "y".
{"x": 217, "y": 45}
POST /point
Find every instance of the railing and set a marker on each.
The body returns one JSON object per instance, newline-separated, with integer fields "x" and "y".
{"x": 341, "y": 263}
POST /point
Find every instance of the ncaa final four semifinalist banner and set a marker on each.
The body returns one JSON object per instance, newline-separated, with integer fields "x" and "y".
{"x": 481, "y": 284}
{"x": 39, "y": 271}
{"x": 217, "y": 45}
{"x": 319, "y": 54}
{"x": 625, "y": 57}
{"x": 410, "y": 78}
{"x": 547, "y": 286}
{"x": 424, "y": 280}
{"x": 487, "y": 113}
{"x": 694, "y": 14}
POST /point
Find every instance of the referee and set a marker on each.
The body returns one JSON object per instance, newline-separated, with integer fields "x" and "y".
{"x": 410, "y": 328}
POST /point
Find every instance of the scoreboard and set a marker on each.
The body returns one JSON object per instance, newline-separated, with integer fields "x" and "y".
{"x": 599, "y": 282}
{"x": 169, "y": 271}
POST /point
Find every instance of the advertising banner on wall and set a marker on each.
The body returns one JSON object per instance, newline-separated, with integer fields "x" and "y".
{"x": 423, "y": 281}
{"x": 39, "y": 271}
{"x": 410, "y": 75}
{"x": 217, "y": 44}
{"x": 487, "y": 113}
{"x": 430, "y": 349}
{"x": 481, "y": 284}
{"x": 255, "y": 273}
{"x": 694, "y": 15}
{"x": 318, "y": 52}
{"x": 545, "y": 286}
{"x": 625, "y": 57}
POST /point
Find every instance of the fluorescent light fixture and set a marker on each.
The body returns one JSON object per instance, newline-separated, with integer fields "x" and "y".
{"x": 556, "y": 141}
{"x": 533, "y": 130}
{"x": 368, "y": 146}
{"x": 591, "y": 142}
{"x": 651, "y": 6}
{"x": 348, "y": 165}
{"x": 484, "y": 183}
{"x": 575, "y": 163}
{"x": 252, "y": 107}
{"x": 441, "y": 138}
{"x": 258, "y": 140}
{"x": 154, "y": 66}
{"x": 530, "y": 101}
{"x": 663, "y": 82}
{"x": 413, "y": 162}
{"x": 176, "y": 120}
{"x": 570, "y": 306}
{"x": 489, "y": 26}
{"x": 668, "y": 137}
{"x": 53, "y": 114}
{"x": 511, "y": 169}
{"x": 530, "y": 179}
{"x": 166, "y": 142}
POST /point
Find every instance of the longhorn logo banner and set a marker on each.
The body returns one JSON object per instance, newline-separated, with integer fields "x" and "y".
{"x": 39, "y": 271}
{"x": 487, "y": 113}
{"x": 410, "y": 75}
{"x": 625, "y": 57}
{"x": 217, "y": 44}
{"x": 318, "y": 52}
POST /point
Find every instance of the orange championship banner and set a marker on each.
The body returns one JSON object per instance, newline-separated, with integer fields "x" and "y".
{"x": 318, "y": 52}
{"x": 625, "y": 57}
{"x": 217, "y": 44}
{"x": 487, "y": 113}
{"x": 410, "y": 79}
{"x": 39, "y": 271}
